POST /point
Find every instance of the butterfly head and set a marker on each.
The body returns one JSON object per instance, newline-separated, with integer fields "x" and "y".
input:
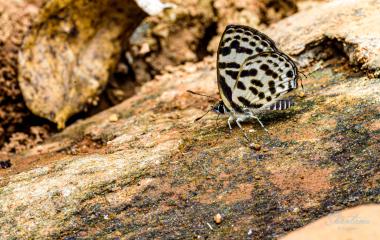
{"x": 219, "y": 108}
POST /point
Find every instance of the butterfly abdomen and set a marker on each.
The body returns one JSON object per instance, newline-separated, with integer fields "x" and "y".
{"x": 281, "y": 104}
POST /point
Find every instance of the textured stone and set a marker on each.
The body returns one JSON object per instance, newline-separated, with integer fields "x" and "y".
{"x": 352, "y": 23}
{"x": 69, "y": 53}
{"x": 15, "y": 18}
{"x": 154, "y": 173}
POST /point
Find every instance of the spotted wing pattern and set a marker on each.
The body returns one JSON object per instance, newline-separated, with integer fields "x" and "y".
{"x": 263, "y": 79}
{"x": 236, "y": 45}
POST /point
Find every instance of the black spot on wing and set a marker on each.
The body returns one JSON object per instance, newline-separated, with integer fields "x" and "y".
{"x": 235, "y": 44}
{"x": 254, "y": 90}
{"x": 257, "y": 83}
{"x": 269, "y": 72}
{"x": 289, "y": 74}
{"x": 244, "y": 50}
{"x": 256, "y": 105}
{"x": 272, "y": 90}
{"x": 261, "y": 95}
{"x": 241, "y": 85}
{"x": 225, "y": 41}
{"x": 248, "y": 73}
{"x": 264, "y": 67}
{"x": 223, "y": 65}
{"x": 244, "y": 101}
{"x": 225, "y": 51}
{"x": 229, "y": 31}
{"x": 269, "y": 98}
{"x": 248, "y": 104}
{"x": 226, "y": 90}
{"x": 232, "y": 74}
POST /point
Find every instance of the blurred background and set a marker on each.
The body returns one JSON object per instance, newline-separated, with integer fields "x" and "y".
{"x": 184, "y": 31}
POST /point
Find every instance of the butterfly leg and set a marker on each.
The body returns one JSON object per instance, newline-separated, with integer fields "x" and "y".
{"x": 230, "y": 119}
{"x": 262, "y": 125}
{"x": 238, "y": 120}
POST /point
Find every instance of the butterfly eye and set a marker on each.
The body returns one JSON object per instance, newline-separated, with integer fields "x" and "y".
{"x": 220, "y": 109}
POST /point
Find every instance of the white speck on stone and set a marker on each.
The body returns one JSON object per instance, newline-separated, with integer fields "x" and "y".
{"x": 153, "y": 7}
{"x": 66, "y": 192}
{"x": 296, "y": 210}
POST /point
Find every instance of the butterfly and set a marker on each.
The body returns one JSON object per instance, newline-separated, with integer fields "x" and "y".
{"x": 253, "y": 75}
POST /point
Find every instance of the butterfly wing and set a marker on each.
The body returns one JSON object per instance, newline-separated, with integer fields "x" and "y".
{"x": 263, "y": 79}
{"x": 236, "y": 45}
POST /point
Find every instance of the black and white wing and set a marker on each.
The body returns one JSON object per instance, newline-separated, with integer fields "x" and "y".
{"x": 263, "y": 79}
{"x": 236, "y": 45}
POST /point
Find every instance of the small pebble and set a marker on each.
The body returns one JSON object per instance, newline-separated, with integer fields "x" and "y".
{"x": 218, "y": 218}
{"x": 255, "y": 146}
{"x": 113, "y": 118}
{"x": 301, "y": 94}
{"x": 144, "y": 49}
{"x": 296, "y": 210}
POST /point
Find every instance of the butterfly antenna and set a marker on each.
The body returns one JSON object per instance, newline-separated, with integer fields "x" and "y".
{"x": 216, "y": 120}
{"x": 201, "y": 94}
{"x": 199, "y": 118}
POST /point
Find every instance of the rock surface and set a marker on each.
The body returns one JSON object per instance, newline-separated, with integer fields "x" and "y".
{"x": 144, "y": 169}
{"x": 171, "y": 38}
{"x": 351, "y": 25}
{"x": 190, "y": 31}
{"x": 355, "y": 223}
{"x": 67, "y": 57}
{"x": 15, "y": 18}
